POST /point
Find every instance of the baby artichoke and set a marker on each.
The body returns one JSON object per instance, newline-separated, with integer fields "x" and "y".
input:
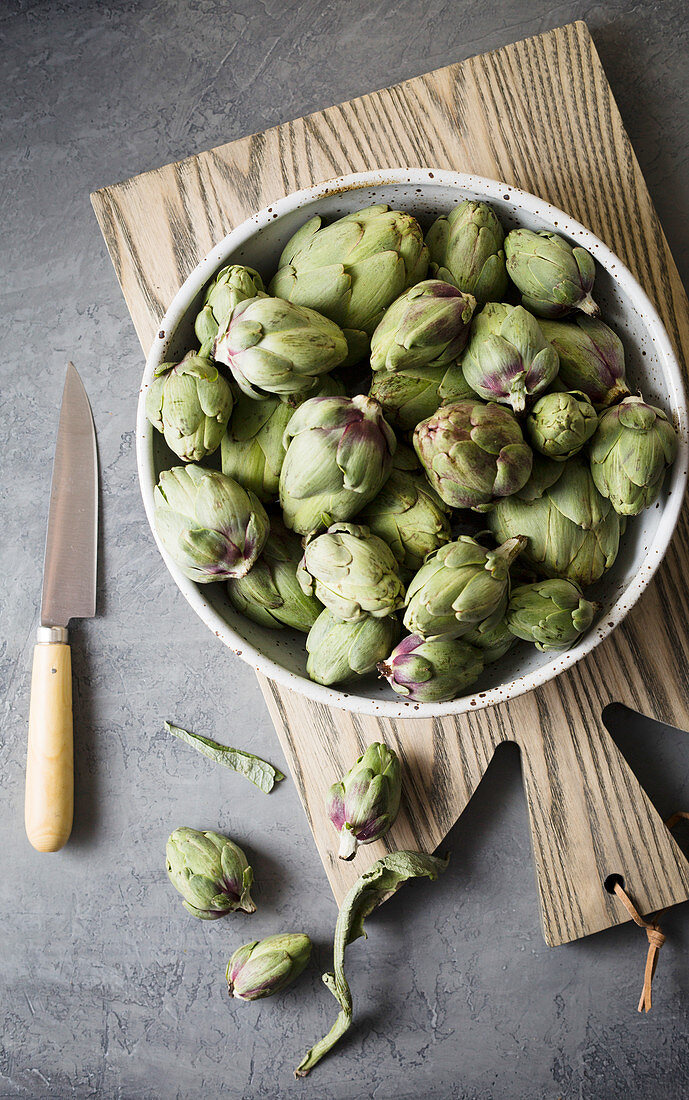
{"x": 232, "y": 285}
{"x": 340, "y": 651}
{"x": 276, "y": 347}
{"x": 211, "y": 527}
{"x": 190, "y": 403}
{"x": 591, "y": 358}
{"x": 508, "y": 358}
{"x": 432, "y": 671}
{"x": 552, "y": 614}
{"x": 363, "y": 806}
{"x": 427, "y": 326}
{"x": 409, "y": 396}
{"x": 554, "y": 277}
{"x": 270, "y": 593}
{"x": 409, "y": 516}
{"x": 352, "y": 572}
{"x": 264, "y": 967}
{"x": 210, "y": 872}
{"x": 466, "y": 248}
{"x": 630, "y": 453}
{"x": 473, "y": 453}
{"x": 492, "y": 636}
{"x": 560, "y": 424}
{"x": 339, "y": 456}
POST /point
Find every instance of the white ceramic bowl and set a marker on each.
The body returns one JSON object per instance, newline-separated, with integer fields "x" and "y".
{"x": 651, "y": 367}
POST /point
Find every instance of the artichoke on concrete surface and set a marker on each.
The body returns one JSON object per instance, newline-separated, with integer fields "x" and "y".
{"x": 190, "y": 403}
{"x": 409, "y": 516}
{"x": 427, "y": 326}
{"x": 572, "y": 531}
{"x": 473, "y": 453}
{"x": 459, "y": 586}
{"x": 409, "y": 396}
{"x": 352, "y": 572}
{"x": 554, "y": 277}
{"x": 553, "y": 614}
{"x": 630, "y": 453}
{"x": 364, "y": 804}
{"x": 270, "y": 593}
{"x": 559, "y": 424}
{"x": 210, "y": 872}
{"x": 466, "y": 248}
{"x": 232, "y": 285}
{"x": 591, "y": 358}
{"x": 339, "y": 456}
{"x": 276, "y": 347}
{"x": 339, "y": 651}
{"x": 432, "y": 671}
{"x": 508, "y": 358}
{"x": 211, "y": 527}
{"x": 353, "y": 269}
{"x": 264, "y": 967}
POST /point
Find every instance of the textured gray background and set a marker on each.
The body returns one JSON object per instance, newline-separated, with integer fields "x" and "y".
{"x": 108, "y": 987}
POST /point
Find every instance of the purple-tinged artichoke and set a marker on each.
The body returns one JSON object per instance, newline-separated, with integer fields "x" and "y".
{"x": 352, "y": 572}
{"x": 591, "y": 358}
{"x": 190, "y": 403}
{"x": 409, "y": 396}
{"x": 211, "y": 527}
{"x": 210, "y": 872}
{"x": 508, "y": 358}
{"x": 268, "y": 966}
{"x": 339, "y": 456}
{"x": 340, "y": 651}
{"x": 432, "y": 671}
{"x": 553, "y": 614}
{"x": 270, "y": 593}
{"x": 365, "y": 803}
{"x": 427, "y": 326}
{"x": 560, "y": 424}
{"x": 473, "y": 453}
{"x": 232, "y": 285}
{"x": 630, "y": 453}
{"x": 554, "y": 277}
{"x": 466, "y": 248}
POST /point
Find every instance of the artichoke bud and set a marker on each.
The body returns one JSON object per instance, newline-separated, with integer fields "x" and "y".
{"x": 276, "y": 347}
{"x": 210, "y": 872}
{"x": 560, "y": 424}
{"x": 426, "y": 326}
{"x": 409, "y": 516}
{"x": 211, "y": 527}
{"x": 409, "y": 396}
{"x": 365, "y": 803}
{"x": 466, "y": 248}
{"x": 633, "y": 447}
{"x": 552, "y": 614}
{"x": 340, "y": 651}
{"x": 190, "y": 403}
{"x": 432, "y": 671}
{"x": 473, "y": 453}
{"x": 492, "y": 636}
{"x": 264, "y": 967}
{"x": 270, "y": 593}
{"x": 554, "y": 277}
{"x": 352, "y": 572}
{"x": 591, "y": 358}
{"x": 232, "y": 285}
{"x": 508, "y": 358}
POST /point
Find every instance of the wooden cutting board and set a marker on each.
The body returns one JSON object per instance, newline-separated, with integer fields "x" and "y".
{"x": 540, "y": 115}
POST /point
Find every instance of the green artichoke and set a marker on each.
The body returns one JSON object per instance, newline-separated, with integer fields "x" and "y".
{"x": 560, "y": 424}
{"x": 409, "y": 516}
{"x": 432, "y": 671}
{"x": 427, "y": 326}
{"x": 210, "y": 872}
{"x": 409, "y": 396}
{"x": 554, "y": 277}
{"x": 473, "y": 453}
{"x": 630, "y": 453}
{"x": 340, "y": 651}
{"x": 466, "y": 248}
{"x": 232, "y": 285}
{"x": 190, "y": 403}
{"x": 339, "y": 456}
{"x": 270, "y": 593}
{"x": 591, "y": 358}
{"x": 459, "y": 586}
{"x": 264, "y": 967}
{"x": 492, "y": 636}
{"x": 211, "y": 527}
{"x": 276, "y": 347}
{"x": 572, "y": 530}
{"x": 353, "y": 269}
{"x": 552, "y": 614}
{"x": 352, "y": 572}
{"x": 364, "y": 805}
{"x": 508, "y": 358}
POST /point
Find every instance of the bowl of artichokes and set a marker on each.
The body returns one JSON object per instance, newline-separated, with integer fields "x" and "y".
{"x": 411, "y": 442}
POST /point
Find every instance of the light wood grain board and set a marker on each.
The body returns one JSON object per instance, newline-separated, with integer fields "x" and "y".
{"x": 540, "y": 115}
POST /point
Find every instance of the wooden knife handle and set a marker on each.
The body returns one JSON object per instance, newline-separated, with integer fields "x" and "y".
{"x": 49, "y": 803}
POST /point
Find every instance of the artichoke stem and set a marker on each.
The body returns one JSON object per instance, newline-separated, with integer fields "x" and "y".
{"x": 587, "y": 305}
{"x": 348, "y": 843}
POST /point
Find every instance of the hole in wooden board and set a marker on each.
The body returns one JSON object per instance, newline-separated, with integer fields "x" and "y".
{"x": 612, "y": 881}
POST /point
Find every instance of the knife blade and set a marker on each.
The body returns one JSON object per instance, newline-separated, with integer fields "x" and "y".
{"x": 69, "y": 591}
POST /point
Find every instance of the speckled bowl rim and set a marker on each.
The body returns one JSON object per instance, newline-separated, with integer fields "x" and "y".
{"x": 398, "y": 707}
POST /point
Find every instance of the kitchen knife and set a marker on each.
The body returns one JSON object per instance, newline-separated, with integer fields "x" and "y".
{"x": 69, "y": 591}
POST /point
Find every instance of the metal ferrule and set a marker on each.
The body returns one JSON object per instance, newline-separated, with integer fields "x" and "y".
{"x": 52, "y": 635}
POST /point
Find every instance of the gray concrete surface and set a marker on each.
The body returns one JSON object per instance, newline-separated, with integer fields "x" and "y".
{"x": 108, "y": 988}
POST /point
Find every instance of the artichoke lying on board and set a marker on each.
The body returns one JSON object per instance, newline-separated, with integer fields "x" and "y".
{"x": 364, "y": 804}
